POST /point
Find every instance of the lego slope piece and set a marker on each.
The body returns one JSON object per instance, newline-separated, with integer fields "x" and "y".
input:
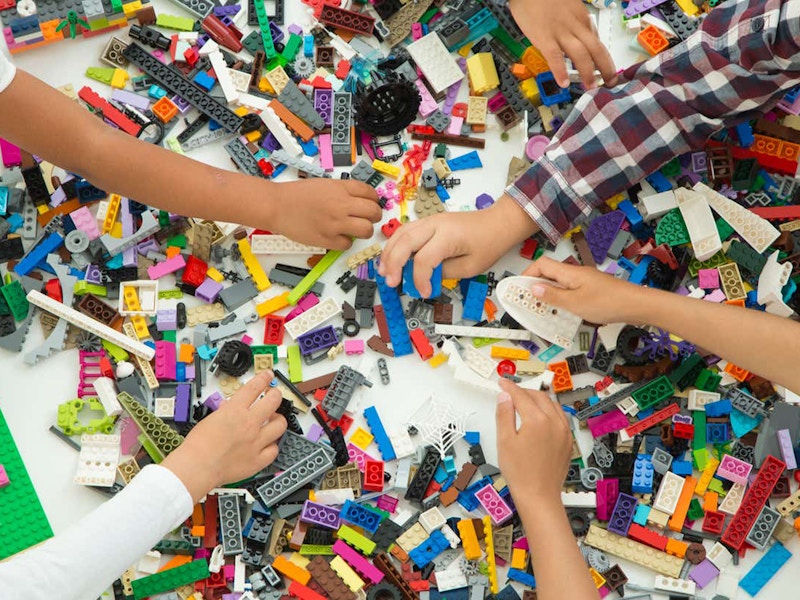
{"x": 549, "y": 323}
{"x": 699, "y": 223}
{"x": 22, "y": 520}
{"x": 435, "y": 62}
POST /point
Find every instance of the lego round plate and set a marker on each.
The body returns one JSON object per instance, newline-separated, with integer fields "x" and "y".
{"x": 552, "y": 324}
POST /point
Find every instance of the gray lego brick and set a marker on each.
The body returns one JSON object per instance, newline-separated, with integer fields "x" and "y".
{"x": 292, "y": 448}
{"x": 295, "y": 477}
{"x": 290, "y": 280}
{"x": 230, "y": 524}
{"x": 341, "y": 391}
{"x": 238, "y": 294}
{"x": 295, "y": 100}
{"x": 314, "y": 170}
{"x": 762, "y": 529}
{"x": 242, "y": 157}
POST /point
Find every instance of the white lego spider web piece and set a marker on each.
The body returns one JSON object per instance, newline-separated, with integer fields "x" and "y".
{"x": 555, "y": 325}
{"x": 439, "y": 424}
{"x": 699, "y": 223}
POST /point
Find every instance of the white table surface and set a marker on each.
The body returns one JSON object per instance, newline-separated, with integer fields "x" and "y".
{"x": 30, "y": 395}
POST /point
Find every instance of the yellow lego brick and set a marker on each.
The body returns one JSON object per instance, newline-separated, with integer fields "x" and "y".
{"x": 253, "y": 136}
{"x": 112, "y": 211}
{"x": 131, "y": 8}
{"x": 131, "y": 298}
{"x": 42, "y": 209}
{"x": 362, "y": 438}
{"x": 643, "y": 555}
{"x": 482, "y": 73}
{"x": 449, "y": 284}
{"x": 273, "y": 304}
{"x": 488, "y": 539}
{"x": 599, "y": 580}
{"x": 120, "y": 79}
{"x": 689, "y": 7}
{"x": 386, "y": 169}
{"x": 437, "y": 360}
{"x": 707, "y": 476}
{"x": 241, "y": 111}
{"x": 253, "y": 266}
{"x": 530, "y": 90}
{"x": 571, "y": 232}
{"x": 291, "y": 570}
{"x": 299, "y": 560}
{"x": 347, "y": 574}
{"x": 510, "y": 353}
{"x": 519, "y": 559}
{"x": 476, "y": 110}
{"x": 212, "y": 273}
{"x": 469, "y": 539}
{"x": 465, "y": 50}
{"x": 265, "y": 86}
{"x": 140, "y": 327}
{"x": 116, "y": 230}
{"x": 614, "y": 201}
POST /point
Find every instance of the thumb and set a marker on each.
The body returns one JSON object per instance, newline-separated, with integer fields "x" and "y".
{"x": 505, "y": 416}
{"x": 549, "y": 294}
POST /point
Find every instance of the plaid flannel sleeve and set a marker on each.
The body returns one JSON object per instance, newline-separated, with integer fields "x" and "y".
{"x": 738, "y": 65}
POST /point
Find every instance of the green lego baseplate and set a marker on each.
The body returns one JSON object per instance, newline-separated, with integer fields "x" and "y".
{"x": 22, "y": 520}
{"x": 171, "y": 579}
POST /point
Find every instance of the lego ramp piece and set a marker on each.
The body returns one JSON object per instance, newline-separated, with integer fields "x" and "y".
{"x": 161, "y": 437}
{"x": 557, "y": 326}
{"x": 22, "y": 520}
{"x": 699, "y": 223}
{"x": 658, "y": 561}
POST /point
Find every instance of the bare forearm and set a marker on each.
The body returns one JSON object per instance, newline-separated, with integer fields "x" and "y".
{"x": 759, "y": 342}
{"x": 558, "y": 564}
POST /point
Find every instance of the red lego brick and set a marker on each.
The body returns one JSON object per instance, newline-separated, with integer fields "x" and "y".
{"x": 373, "y": 476}
{"x": 194, "y": 273}
{"x": 7, "y": 4}
{"x": 529, "y": 248}
{"x": 110, "y": 113}
{"x": 266, "y": 167}
{"x": 753, "y": 501}
{"x": 346, "y": 19}
{"x": 683, "y": 431}
{"x": 342, "y": 69}
{"x": 713, "y": 522}
{"x": 390, "y": 227}
{"x": 53, "y": 289}
{"x": 210, "y": 506}
{"x": 647, "y": 536}
{"x": 421, "y": 343}
{"x": 654, "y": 419}
{"x": 273, "y": 330}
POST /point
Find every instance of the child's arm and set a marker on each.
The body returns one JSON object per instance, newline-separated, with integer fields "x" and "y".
{"x": 318, "y": 212}
{"x": 534, "y": 458}
{"x": 741, "y": 62}
{"x": 756, "y": 341}
{"x": 233, "y": 443}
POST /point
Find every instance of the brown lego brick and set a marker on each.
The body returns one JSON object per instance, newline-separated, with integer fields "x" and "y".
{"x": 328, "y": 580}
{"x": 311, "y": 385}
{"x": 292, "y": 121}
{"x": 383, "y": 326}
{"x": 464, "y": 476}
{"x": 452, "y": 140}
{"x": 93, "y": 307}
{"x": 777, "y": 130}
{"x": 448, "y": 496}
{"x": 443, "y": 313}
{"x": 378, "y": 345}
{"x": 146, "y": 16}
{"x": 582, "y": 246}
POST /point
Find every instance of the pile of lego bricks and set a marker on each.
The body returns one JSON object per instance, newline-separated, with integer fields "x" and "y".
{"x": 349, "y": 510}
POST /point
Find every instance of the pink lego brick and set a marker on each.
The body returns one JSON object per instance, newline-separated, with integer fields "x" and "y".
{"x": 3, "y": 477}
{"x": 428, "y": 104}
{"x": 247, "y": 340}
{"x": 358, "y": 562}
{"x": 708, "y": 279}
{"x": 785, "y": 442}
{"x": 521, "y": 544}
{"x": 387, "y": 503}
{"x": 12, "y": 157}
{"x": 303, "y": 305}
{"x": 455, "y": 125}
{"x": 716, "y": 296}
{"x": 229, "y": 571}
{"x": 607, "y": 492}
{"x": 189, "y": 372}
{"x": 358, "y": 456}
{"x": 176, "y": 263}
{"x": 166, "y": 356}
{"x": 497, "y": 508}
{"x": 325, "y": 152}
{"x": 354, "y": 347}
{"x": 496, "y": 102}
{"x": 609, "y": 422}
{"x": 366, "y": 145}
{"x": 734, "y": 469}
{"x": 129, "y": 435}
{"x": 85, "y": 221}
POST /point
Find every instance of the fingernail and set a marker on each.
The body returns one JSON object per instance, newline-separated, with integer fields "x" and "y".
{"x": 537, "y": 290}
{"x": 564, "y": 83}
{"x": 503, "y": 397}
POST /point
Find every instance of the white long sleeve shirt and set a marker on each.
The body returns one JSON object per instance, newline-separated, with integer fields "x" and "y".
{"x": 7, "y": 70}
{"x": 83, "y": 561}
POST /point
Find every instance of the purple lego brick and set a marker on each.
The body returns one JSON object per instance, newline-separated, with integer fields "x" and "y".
{"x": 601, "y": 233}
{"x": 270, "y": 144}
{"x": 319, "y": 514}
{"x": 323, "y": 104}
{"x": 704, "y": 573}
{"x": 622, "y": 516}
{"x": 315, "y": 432}
{"x": 295, "y": 29}
{"x": 58, "y": 197}
{"x": 226, "y": 11}
{"x": 636, "y": 7}
{"x": 214, "y": 401}
{"x": 167, "y": 319}
{"x": 208, "y": 291}
{"x": 613, "y": 420}
{"x": 483, "y": 201}
{"x": 276, "y": 31}
{"x": 131, "y": 99}
{"x": 189, "y": 372}
{"x": 93, "y": 274}
{"x": 450, "y": 98}
{"x": 182, "y": 105}
{"x": 699, "y": 162}
{"x": 316, "y": 340}
{"x": 734, "y": 469}
{"x": 785, "y": 443}
{"x": 183, "y": 402}
{"x": 607, "y": 493}
{"x": 363, "y": 271}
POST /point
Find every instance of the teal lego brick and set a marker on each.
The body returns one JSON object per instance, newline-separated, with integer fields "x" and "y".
{"x": 765, "y": 569}
{"x": 171, "y": 579}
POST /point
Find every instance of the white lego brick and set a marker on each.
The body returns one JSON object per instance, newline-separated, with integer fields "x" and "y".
{"x": 223, "y": 77}
{"x": 733, "y": 499}
{"x": 657, "y": 205}
{"x": 555, "y": 325}
{"x": 668, "y": 493}
{"x": 478, "y": 362}
{"x": 754, "y": 230}
{"x": 279, "y": 244}
{"x": 217, "y": 560}
{"x": 608, "y": 334}
{"x": 241, "y": 81}
{"x": 401, "y": 476}
{"x": 451, "y": 536}
{"x": 147, "y": 294}
{"x": 435, "y": 61}
{"x": 579, "y": 499}
{"x": 150, "y": 562}
{"x": 628, "y": 407}
{"x": 107, "y": 394}
{"x": 334, "y": 497}
{"x": 401, "y": 442}
{"x": 252, "y": 102}
{"x": 70, "y": 315}
{"x": 208, "y": 48}
{"x": 190, "y": 36}
{"x": 720, "y": 556}
{"x": 344, "y": 49}
{"x": 98, "y": 460}
{"x": 728, "y": 584}
{"x": 450, "y": 579}
{"x": 314, "y": 317}
{"x": 102, "y": 211}
{"x": 239, "y": 575}
{"x": 699, "y": 398}
{"x": 774, "y": 276}
{"x": 432, "y": 519}
{"x": 699, "y": 223}
{"x": 165, "y": 408}
{"x": 281, "y": 132}
{"x": 671, "y": 584}
{"x": 483, "y": 332}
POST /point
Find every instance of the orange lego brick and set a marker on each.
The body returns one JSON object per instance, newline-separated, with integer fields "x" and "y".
{"x": 676, "y": 548}
{"x": 521, "y": 72}
{"x": 652, "y": 40}
{"x": 562, "y": 381}
{"x": 199, "y": 531}
{"x": 165, "y": 110}
{"x": 738, "y": 302}
{"x": 176, "y": 561}
{"x": 490, "y": 309}
{"x": 763, "y": 144}
{"x": 198, "y": 515}
{"x": 466, "y": 531}
{"x": 678, "y": 517}
{"x": 788, "y": 151}
{"x": 186, "y": 354}
{"x": 292, "y": 121}
{"x": 172, "y": 251}
{"x": 49, "y": 30}
{"x": 399, "y": 553}
{"x": 711, "y": 502}
{"x": 291, "y": 570}
{"x": 738, "y": 373}
{"x": 534, "y": 61}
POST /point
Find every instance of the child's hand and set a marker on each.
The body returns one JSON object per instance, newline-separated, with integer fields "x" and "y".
{"x": 592, "y": 295}
{"x": 533, "y": 458}
{"x": 325, "y": 212}
{"x": 233, "y": 443}
{"x": 467, "y": 243}
{"x": 565, "y": 28}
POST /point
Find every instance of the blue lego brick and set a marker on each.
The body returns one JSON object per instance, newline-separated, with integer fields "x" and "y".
{"x": 449, "y": 465}
{"x": 49, "y": 244}
{"x": 379, "y": 433}
{"x": 24, "y": 26}
{"x": 788, "y": 290}
{"x": 3, "y": 200}
{"x": 473, "y": 301}
{"x": 467, "y": 497}
{"x": 792, "y": 95}
{"x": 633, "y": 216}
{"x": 479, "y": 24}
{"x": 395, "y": 319}
{"x": 308, "y": 45}
{"x": 522, "y": 577}
{"x": 88, "y": 192}
{"x": 720, "y": 408}
{"x": 457, "y": 594}
{"x": 765, "y": 569}
{"x": 371, "y": 269}
{"x": 361, "y": 516}
{"x": 442, "y": 193}
{"x": 408, "y": 281}
{"x": 659, "y": 181}
{"x": 156, "y": 92}
{"x": 15, "y": 221}
{"x": 423, "y": 554}
{"x": 642, "y": 475}
{"x": 641, "y": 514}
{"x": 745, "y": 134}
{"x": 470, "y": 160}
{"x": 440, "y": 475}
{"x": 204, "y": 80}
{"x": 681, "y": 467}
{"x": 716, "y": 433}
{"x": 472, "y": 437}
{"x": 549, "y": 91}
{"x": 445, "y": 485}
{"x": 309, "y": 147}
{"x": 639, "y": 274}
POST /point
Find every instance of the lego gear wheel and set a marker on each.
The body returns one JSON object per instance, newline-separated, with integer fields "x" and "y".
{"x": 630, "y": 340}
{"x": 386, "y": 107}
{"x": 88, "y": 342}
{"x": 304, "y": 66}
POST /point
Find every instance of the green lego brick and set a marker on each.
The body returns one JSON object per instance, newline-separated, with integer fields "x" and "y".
{"x": 700, "y": 458}
{"x": 513, "y": 46}
{"x": 699, "y": 422}
{"x": 161, "y": 436}
{"x": 687, "y": 371}
{"x": 301, "y": 289}
{"x": 316, "y": 550}
{"x": 654, "y": 392}
{"x": 176, "y": 23}
{"x": 171, "y": 579}
{"x": 163, "y": 218}
{"x": 724, "y": 229}
{"x": 708, "y": 381}
{"x": 715, "y": 261}
{"x": 101, "y": 74}
{"x": 292, "y": 47}
{"x": 263, "y": 26}
{"x": 15, "y": 297}
{"x": 267, "y": 349}
{"x": 82, "y": 288}
{"x": 295, "y": 363}
{"x": 179, "y": 241}
{"x": 170, "y": 294}
{"x": 69, "y": 422}
{"x": 170, "y": 335}
{"x": 117, "y": 353}
{"x": 672, "y": 168}
{"x": 22, "y": 520}
{"x": 695, "y": 510}
{"x": 671, "y": 229}
{"x": 428, "y": 15}
{"x": 351, "y": 537}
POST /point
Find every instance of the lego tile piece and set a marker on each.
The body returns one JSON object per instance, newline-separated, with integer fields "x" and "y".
{"x": 435, "y": 62}
{"x": 765, "y": 569}
{"x": 482, "y": 332}
{"x": 643, "y": 555}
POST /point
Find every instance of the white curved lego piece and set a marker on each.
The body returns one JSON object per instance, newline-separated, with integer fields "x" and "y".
{"x": 699, "y": 223}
